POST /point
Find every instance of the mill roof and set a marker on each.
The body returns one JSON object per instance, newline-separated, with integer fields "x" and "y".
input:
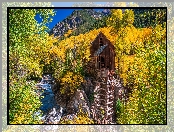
{"x": 99, "y": 51}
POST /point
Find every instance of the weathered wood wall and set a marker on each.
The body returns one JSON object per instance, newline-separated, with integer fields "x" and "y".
{"x": 104, "y": 58}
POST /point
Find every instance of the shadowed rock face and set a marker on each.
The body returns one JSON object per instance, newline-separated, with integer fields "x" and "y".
{"x": 54, "y": 116}
{"x": 72, "y": 103}
{"x": 105, "y": 92}
{"x": 79, "y": 99}
{"x": 108, "y": 88}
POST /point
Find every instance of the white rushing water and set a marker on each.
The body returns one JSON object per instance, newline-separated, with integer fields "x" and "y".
{"x": 52, "y": 112}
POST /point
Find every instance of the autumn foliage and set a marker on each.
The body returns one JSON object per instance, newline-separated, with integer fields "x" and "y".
{"x": 140, "y": 61}
{"x": 27, "y": 53}
{"x": 81, "y": 118}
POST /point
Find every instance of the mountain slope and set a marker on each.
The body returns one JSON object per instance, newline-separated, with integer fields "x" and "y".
{"x": 84, "y": 20}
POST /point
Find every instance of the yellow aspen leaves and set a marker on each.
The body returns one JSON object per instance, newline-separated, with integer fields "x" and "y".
{"x": 70, "y": 83}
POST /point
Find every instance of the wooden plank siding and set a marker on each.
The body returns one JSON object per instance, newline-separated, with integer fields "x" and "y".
{"x": 102, "y": 51}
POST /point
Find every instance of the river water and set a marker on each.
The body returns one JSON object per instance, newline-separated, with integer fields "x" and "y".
{"x": 52, "y": 112}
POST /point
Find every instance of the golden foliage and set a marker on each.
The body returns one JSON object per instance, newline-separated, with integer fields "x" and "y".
{"x": 146, "y": 71}
{"x": 70, "y": 83}
{"x": 82, "y": 118}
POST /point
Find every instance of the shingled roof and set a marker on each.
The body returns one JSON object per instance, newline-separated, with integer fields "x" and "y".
{"x": 100, "y": 50}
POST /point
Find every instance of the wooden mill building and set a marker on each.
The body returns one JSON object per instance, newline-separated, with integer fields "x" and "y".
{"x": 102, "y": 53}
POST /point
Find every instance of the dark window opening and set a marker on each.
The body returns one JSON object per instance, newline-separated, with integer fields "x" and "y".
{"x": 102, "y": 62}
{"x": 101, "y": 43}
{"x": 102, "y": 59}
{"x": 99, "y": 65}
